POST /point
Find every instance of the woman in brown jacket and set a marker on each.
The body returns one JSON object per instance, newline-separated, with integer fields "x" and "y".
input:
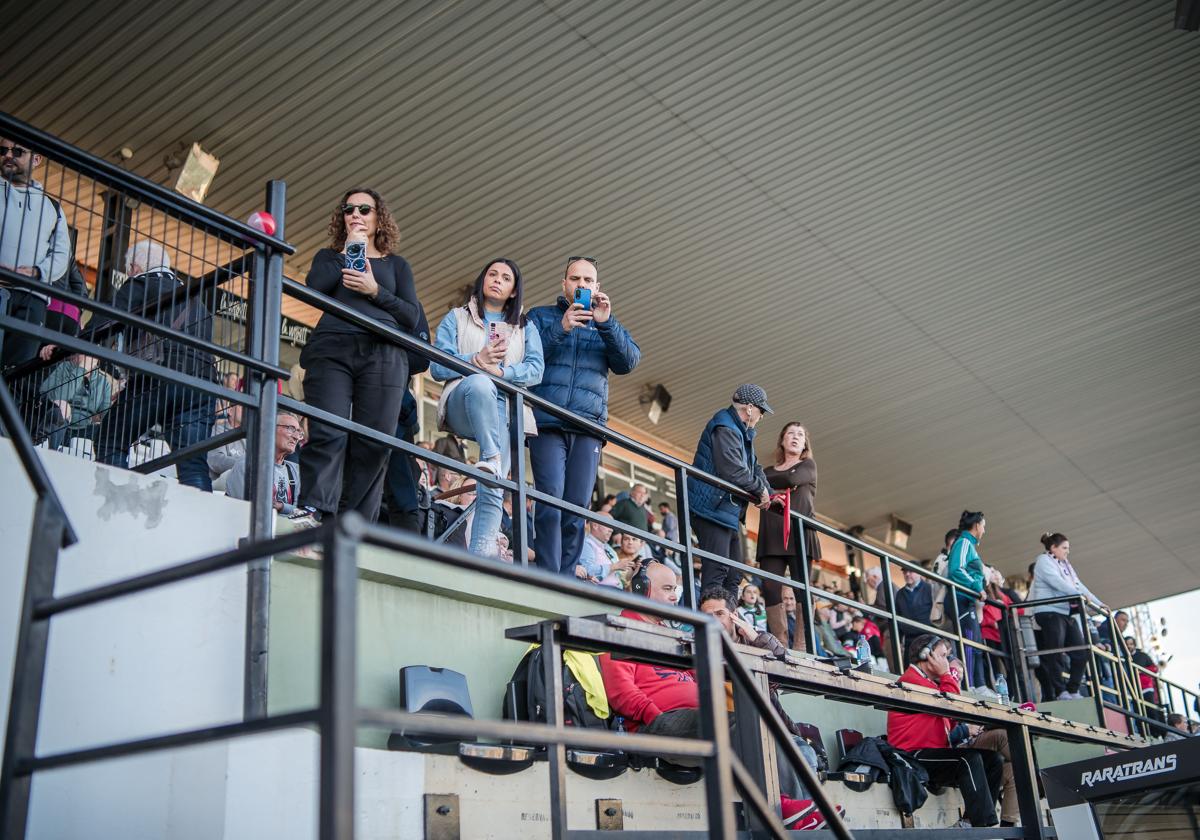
{"x": 793, "y": 480}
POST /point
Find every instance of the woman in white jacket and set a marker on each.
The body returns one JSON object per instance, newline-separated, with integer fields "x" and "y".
{"x": 1053, "y": 577}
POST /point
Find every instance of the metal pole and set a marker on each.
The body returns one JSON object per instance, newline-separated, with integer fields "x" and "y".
{"x": 29, "y": 668}
{"x": 807, "y": 629}
{"x": 520, "y": 546}
{"x": 714, "y": 727}
{"x": 1093, "y": 667}
{"x": 890, "y": 600}
{"x": 1024, "y": 768}
{"x": 684, "y": 515}
{"x": 338, "y": 711}
{"x": 556, "y": 752}
{"x": 263, "y": 344}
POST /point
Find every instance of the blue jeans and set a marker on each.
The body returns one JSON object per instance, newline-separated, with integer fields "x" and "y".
{"x": 476, "y": 410}
{"x": 564, "y": 465}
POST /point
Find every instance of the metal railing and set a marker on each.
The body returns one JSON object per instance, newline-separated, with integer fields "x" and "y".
{"x": 1115, "y": 680}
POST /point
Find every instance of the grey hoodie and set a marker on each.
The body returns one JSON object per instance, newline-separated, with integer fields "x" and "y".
{"x": 33, "y": 232}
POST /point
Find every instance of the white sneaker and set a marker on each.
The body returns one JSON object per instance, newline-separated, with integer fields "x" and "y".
{"x": 1070, "y": 695}
{"x": 491, "y": 465}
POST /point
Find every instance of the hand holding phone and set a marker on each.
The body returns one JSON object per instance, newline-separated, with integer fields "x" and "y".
{"x": 583, "y": 297}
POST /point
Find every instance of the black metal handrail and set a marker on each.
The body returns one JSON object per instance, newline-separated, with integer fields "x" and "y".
{"x": 109, "y": 174}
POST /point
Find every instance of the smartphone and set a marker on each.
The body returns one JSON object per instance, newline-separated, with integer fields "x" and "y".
{"x": 584, "y": 297}
{"x": 493, "y": 332}
{"x": 356, "y": 256}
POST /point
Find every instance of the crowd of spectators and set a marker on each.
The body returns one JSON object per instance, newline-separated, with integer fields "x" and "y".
{"x": 564, "y": 352}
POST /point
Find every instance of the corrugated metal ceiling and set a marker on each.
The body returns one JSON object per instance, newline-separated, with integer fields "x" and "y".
{"x": 957, "y": 240}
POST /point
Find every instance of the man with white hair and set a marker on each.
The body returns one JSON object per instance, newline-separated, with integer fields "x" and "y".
{"x": 33, "y": 241}
{"x": 185, "y": 415}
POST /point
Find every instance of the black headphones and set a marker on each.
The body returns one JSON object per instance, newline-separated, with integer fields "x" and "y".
{"x": 640, "y": 584}
{"x": 924, "y": 645}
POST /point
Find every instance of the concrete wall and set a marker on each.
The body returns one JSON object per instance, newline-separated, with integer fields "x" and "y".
{"x": 148, "y": 664}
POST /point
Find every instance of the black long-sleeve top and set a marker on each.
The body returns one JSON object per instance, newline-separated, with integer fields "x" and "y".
{"x": 395, "y": 304}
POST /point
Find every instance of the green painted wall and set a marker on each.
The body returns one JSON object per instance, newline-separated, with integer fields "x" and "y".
{"x": 411, "y": 612}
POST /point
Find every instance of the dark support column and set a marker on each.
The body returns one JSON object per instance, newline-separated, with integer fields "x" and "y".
{"x": 1020, "y": 748}
{"x": 714, "y": 727}
{"x": 751, "y": 743}
{"x": 338, "y": 713}
{"x": 520, "y": 546}
{"x": 556, "y": 752}
{"x": 807, "y": 627}
{"x": 684, "y": 514}
{"x": 262, "y": 340}
{"x": 29, "y": 668}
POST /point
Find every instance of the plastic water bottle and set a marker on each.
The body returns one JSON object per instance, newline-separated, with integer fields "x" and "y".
{"x": 1002, "y": 689}
{"x": 863, "y": 650}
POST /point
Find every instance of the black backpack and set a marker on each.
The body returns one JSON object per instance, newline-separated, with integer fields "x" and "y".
{"x": 525, "y": 697}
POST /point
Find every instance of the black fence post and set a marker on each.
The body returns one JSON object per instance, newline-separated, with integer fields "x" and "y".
{"x": 1024, "y": 769}
{"x": 556, "y": 753}
{"x": 339, "y": 670}
{"x": 29, "y": 668}
{"x": 520, "y": 520}
{"x": 263, "y": 345}
{"x": 1092, "y": 664}
{"x": 807, "y": 629}
{"x": 714, "y": 728}
{"x": 684, "y": 515}
{"x": 890, "y": 595}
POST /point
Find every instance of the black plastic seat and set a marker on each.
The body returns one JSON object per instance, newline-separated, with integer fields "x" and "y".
{"x": 597, "y": 765}
{"x": 428, "y": 690}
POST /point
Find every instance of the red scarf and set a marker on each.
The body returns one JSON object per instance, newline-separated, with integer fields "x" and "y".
{"x": 786, "y": 498}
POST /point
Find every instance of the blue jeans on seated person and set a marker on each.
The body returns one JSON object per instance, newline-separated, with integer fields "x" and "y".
{"x": 476, "y": 410}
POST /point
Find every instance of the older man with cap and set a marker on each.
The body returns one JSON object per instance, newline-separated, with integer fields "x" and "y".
{"x": 726, "y": 449}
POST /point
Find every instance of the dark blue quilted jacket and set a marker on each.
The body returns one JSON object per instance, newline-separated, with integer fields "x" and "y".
{"x": 578, "y": 363}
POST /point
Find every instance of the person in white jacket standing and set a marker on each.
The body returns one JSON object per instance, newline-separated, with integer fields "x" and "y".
{"x": 1053, "y": 577}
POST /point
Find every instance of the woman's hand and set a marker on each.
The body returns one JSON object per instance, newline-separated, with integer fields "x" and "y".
{"x": 362, "y": 282}
{"x": 483, "y": 360}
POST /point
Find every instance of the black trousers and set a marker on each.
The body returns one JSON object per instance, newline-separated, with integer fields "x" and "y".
{"x": 364, "y": 380}
{"x": 978, "y": 775}
{"x": 1061, "y": 631}
{"x": 17, "y": 348}
{"x": 719, "y": 540}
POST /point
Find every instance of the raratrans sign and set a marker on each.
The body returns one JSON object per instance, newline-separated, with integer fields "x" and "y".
{"x": 1130, "y": 770}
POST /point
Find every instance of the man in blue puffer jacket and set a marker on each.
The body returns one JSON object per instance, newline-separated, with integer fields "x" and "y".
{"x": 726, "y": 450}
{"x": 582, "y": 345}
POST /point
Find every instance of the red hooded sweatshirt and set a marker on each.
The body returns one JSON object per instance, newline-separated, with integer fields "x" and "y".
{"x": 915, "y": 731}
{"x": 641, "y": 692}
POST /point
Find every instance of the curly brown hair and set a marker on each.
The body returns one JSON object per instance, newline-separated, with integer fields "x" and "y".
{"x": 387, "y": 235}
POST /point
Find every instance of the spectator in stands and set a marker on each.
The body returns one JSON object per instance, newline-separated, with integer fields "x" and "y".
{"x": 862, "y": 626}
{"x": 965, "y": 567}
{"x": 828, "y": 643}
{"x": 185, "y": 415}
{"x": 222, "y": 459}
{"x": 630, "y": 556}
{"x": 350, "y": 371}
{"x": 285, "y": 474}
{"x": 726, "y": 449}
{"x": 793, "y": 481}
{"x": 631, "y": 510}
{"x": 992, "y": 626}
{"x": 582, "y": 346}
{"x": 718, "y": 602}
{"x": 1179, "y": 724}
{"x": 670, "y": 522}
{"x": 995, "y": 739}
{"x": 750, "y": 608}
{"x": 914, "y": 601}
{"x": 33, "y": 242}
{"x": 874, "y": 596}
{"x": 1053, "y": 576}
{"x": 492, "y": 333}
{"x": 1106, "y": 639}
{"x": 1147, "y": 678}
{"x": 598, "y": 561}
{"x": 926, "y": 736}
{"x": 840, "y": 622}
{"x": 81, "y": 393}
{"x": 402, "y": 489}
{"x": 789, "y": 609}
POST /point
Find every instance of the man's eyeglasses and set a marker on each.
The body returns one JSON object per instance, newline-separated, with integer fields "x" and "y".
{"x": 16, "y": 151}
{"x": 363, "y": 209}
{"x": 295, "y": 431}
{"x": 595, "y": 262}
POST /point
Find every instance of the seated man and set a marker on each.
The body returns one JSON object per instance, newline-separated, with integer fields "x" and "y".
{"x": 286, "y": 481}
{"x": 598, "y": 561}
{"x": 1178, "y": 727}
{"x": 926, "y": 736}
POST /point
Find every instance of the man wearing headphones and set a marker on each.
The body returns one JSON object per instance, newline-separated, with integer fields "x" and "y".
{"x": 652, "y": 698}
{"x": 976, "y": 773}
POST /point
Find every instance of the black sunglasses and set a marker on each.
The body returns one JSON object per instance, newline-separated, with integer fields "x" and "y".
{"x": 363, "y": 209}
{"x": 17, "y": 152}
{"x": 595, "y": 262}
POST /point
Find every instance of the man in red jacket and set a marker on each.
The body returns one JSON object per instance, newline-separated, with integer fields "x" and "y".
{"x": 976, "y": 773}
{"x": 653, "y": 698}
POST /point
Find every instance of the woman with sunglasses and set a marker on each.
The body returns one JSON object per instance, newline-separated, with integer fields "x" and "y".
{"x": 349, "y": 371}
{"x": 491, "y": 333}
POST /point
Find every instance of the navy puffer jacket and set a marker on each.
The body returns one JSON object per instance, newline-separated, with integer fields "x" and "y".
{"x": 578, "y": 363}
